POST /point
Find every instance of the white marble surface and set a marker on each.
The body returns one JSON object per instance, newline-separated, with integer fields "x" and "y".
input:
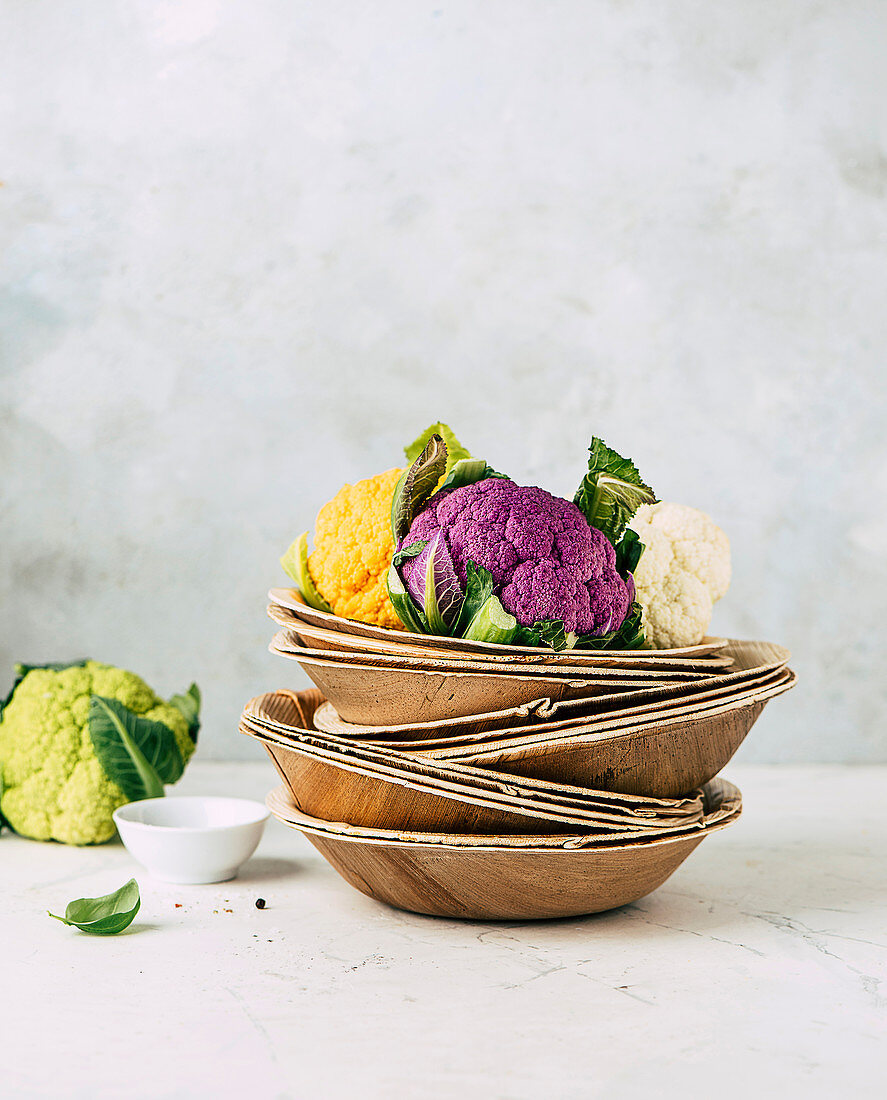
{"x": 758, "y": 970}
{"x": 249, "y": 250}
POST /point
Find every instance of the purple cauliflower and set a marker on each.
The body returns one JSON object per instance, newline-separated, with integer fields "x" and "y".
{"x": 546, "y": 561}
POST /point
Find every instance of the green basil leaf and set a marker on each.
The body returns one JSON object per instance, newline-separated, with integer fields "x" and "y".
{"x": 478, "y": 589}
{"x": 295, "y": 564}
{"x": 455, "y": 451}
{"x": 612, "y": 491}
{"x": 137, "y": 754}
{"x": 188, "y": 706}
{"x": 404, "y": 606}
{"x": 105, "y": 916}
{"x": 416, "y": 486}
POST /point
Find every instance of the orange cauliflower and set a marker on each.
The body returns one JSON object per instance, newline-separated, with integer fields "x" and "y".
{"x": 354, "y": 546}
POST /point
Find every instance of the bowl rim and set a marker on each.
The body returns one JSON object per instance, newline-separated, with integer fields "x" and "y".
{"x": 283, "y": 645}
{"x": 291, "y": 599}
{"x": 261, "y": 814}
{"x": 356, "y": 835}
{"x": 571, "y": 681}
{"x": 496, "y": 654}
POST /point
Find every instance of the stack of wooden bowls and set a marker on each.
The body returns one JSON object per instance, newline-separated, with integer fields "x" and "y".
{"x": 471, "y": 780}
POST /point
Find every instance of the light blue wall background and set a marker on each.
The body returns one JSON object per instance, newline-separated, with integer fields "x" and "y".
{"x": 248, "y": 250}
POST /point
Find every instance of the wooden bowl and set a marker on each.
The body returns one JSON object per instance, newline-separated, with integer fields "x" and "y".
{"x": 630, "y": 718}
{"x": 755, "y": 663}
{"x": 504, "y": 883}
{"x": 373, "y": 695}
{"x": 287, "y": 811}
{"x": 375, "y": 789}
{"x": 284, "y": 717}
{"x": 660, "y": 758}
{"x": 447, "y": 735}
{"x": 291, "y": 599}
{"x": 364, "y": 797}
{"x": 648, "y": 662}
{"x": 725, "y": 808}
{"x": 289, "y": 643}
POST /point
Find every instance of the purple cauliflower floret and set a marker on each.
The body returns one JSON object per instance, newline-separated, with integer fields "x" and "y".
{"x": 546, "y": 561}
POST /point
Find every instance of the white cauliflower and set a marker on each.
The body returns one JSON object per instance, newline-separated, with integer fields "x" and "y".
{"x": 684, "y": 569}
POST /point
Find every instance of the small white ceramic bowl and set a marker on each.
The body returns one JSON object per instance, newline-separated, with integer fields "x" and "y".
{"x": 191, "y": 839}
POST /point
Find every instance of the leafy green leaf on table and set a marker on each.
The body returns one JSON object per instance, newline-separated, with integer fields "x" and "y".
{"x": 612, "y": 491}
{"x": 295, "y": 565}
{"x": 404, "y": 606}
{"x": 137, "y": 754}
{"x": 188, "y": 706}
{"x": 455, "y": 451}
{"x": 104, "y": 916}
{"x": 416, "y": 486}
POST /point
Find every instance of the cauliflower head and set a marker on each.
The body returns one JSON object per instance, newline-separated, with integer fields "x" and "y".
{"x": 683, "y": 570}
{"x": 354, "y": 546}
{"x": 545, "y": 559}
{"x": 54, "y": 787}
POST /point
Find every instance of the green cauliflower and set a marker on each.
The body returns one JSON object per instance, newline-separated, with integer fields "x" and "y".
{"x": 54, "y": 786}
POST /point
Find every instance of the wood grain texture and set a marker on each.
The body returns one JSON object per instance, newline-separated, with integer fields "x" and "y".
{"x": 383, "y": 696}
{"x": 721, "y": 801}
{"x": 518, "y": 885}
{"x": 367, "y": 786}
{"x": 506, "y": 883}
{"x": 283, "y": 717}
{"x": 409, "y": 794}
{"x": 663, "y": 760}
{"x": 437, "y": 735}
{"x": 377, "y": 696}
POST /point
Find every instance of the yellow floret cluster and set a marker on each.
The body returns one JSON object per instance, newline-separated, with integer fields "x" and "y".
{"x": 354, "y": 547}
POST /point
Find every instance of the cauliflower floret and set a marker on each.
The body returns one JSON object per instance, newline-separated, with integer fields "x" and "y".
{"x": 354, "y": 546}
{"x": 54, "y": 787}
{"x": 684, "y": 569}
{"x": 546, "y": 561}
